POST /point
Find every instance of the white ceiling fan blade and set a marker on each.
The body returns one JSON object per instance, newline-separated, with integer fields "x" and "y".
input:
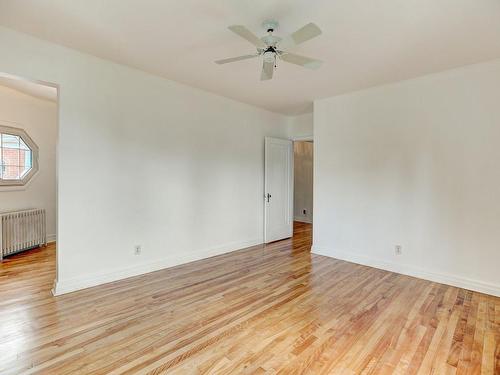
{"x": 267, "y": 71}
{"x": 302, "y": 35}
{"x": 239, "y": 58}
{"x": 247, "y": 35}
{"x": 306, "y": 62}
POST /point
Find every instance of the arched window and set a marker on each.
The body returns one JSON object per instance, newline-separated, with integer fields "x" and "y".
{"x": 18, "y": 157}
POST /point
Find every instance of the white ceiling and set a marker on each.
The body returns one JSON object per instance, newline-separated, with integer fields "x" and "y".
{"x": 364, "y": 43}
{"x": 31, "y": 88}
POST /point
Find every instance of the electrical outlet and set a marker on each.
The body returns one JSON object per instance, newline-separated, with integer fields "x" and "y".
{"x": 398, "y": 249}
{"x": 137, "y": 250}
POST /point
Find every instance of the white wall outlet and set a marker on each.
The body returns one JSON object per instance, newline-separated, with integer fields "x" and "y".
{"x": 398, "y": 249}
{"x": 137, "y": 249}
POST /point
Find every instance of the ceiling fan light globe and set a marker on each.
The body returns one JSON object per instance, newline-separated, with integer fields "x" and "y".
{"x": 269, "y": 57}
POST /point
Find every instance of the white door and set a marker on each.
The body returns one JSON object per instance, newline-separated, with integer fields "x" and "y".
{"x": 278, "y": 194}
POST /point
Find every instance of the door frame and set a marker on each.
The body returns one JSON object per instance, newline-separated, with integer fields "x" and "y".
{"x": 303, "y": 138}
{"x": 292, "y": 181}
{"x": 58, "y": 110}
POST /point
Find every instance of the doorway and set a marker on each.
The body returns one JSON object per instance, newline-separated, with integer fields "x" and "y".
{"x": 303, "y": 152}
{"x": 28, "y": 176}
{"x": 288, "y": 184}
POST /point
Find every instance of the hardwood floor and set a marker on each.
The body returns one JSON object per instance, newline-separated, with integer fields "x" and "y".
{"x": 266, "y": 309}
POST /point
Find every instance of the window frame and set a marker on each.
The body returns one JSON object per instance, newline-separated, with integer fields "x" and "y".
{"x": 5, "y": 129}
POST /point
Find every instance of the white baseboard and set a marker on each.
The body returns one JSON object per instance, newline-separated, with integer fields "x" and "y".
{"x": 78, "y": 283}
{"x": 453, "y": 280}
{"x": 302, "y": 219}
{"x": 51, "y": 238}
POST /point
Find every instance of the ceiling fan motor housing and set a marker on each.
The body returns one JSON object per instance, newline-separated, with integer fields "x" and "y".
{"x": 270, "y": 39}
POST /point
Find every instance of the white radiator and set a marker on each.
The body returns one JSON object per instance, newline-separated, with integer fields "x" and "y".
{"x": 21, "y": 230}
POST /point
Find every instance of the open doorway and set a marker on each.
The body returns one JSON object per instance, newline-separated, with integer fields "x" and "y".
{"x": 303, "y": 152}
{"x": 28, "y": 178}
{"x": 288, "y": 188}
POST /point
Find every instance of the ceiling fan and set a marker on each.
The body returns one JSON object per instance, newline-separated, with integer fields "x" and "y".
{"x": 272, "y": 48}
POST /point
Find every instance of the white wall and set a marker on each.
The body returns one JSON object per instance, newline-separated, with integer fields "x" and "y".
{"x": 144, "y": 160}
{"x": 303, "y": 181}
{"x": 300, "y": 126}
{"x": 417, "y": 164}
{"x": 38, "y": 118}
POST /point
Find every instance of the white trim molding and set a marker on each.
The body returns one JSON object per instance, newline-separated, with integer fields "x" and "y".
{"x": 74, "y": 284}
{"x": 302, "y": 219}
{"x": 405, "y": 269}
{"x": 303, "y": 138}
